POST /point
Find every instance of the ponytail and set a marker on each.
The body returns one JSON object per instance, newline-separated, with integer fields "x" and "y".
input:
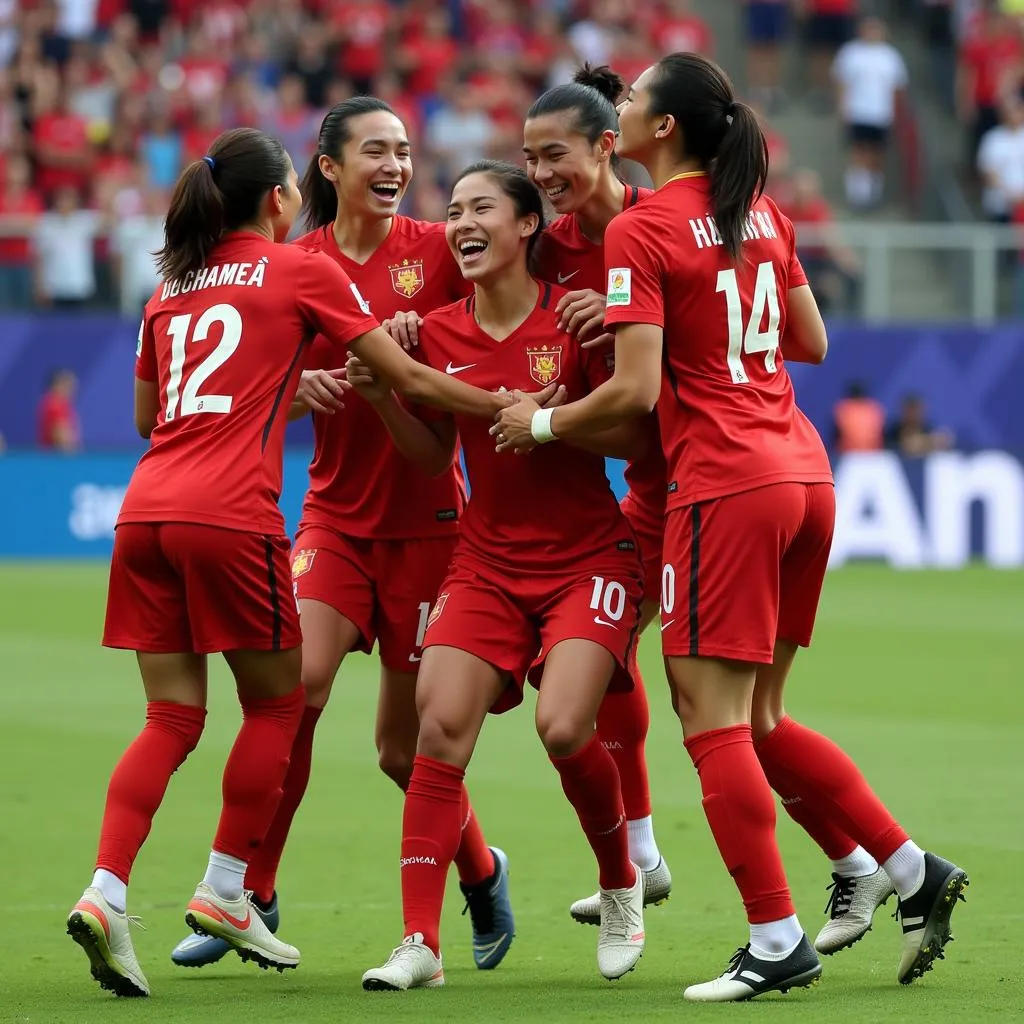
{"x": 738, "y": 176}
{"x": 195, "y": 222}
{"x": 319, "y": 200}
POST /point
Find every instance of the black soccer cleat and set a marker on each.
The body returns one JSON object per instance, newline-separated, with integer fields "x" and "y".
{"x": 748, "y": 976}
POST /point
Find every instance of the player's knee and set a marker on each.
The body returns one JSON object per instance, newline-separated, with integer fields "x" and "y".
{"x": 439, "y": 738}
{"x": 395, "y": 762}
{"x": 562, "y": 735}
{"x": 318, "y": 680}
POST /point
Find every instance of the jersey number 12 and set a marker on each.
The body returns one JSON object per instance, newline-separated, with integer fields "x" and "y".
{"x": 186, "y": 400}
{"x": 749, "y": 338}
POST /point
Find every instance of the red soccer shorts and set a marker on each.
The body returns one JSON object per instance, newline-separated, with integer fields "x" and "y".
{"x": 386, "y": 588}
{"x": 512, "y": 619}
{"x": 180, "y": 587}
{"x": 744, "y": 570}
{"x": 650, "y": 532}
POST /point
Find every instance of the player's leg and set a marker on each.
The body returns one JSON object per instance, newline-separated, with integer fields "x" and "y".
{"x": 409, "y": 577}
{"x": 814, "y": 769}
{"x": 240, "y": 602}
{"x": 335, "y": 601}
{"x": 719, "y": 613}
{"x": 454, "y": 692}
{"x": 146, "y": 611}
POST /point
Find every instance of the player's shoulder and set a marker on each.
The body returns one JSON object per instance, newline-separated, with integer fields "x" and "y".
{"x": 561, "y": 229}
{"x": 768, "y": 220}
{"x": 313, "y": 241}
{"x": 415, "y": 230}
{"x": 453, "y": 318}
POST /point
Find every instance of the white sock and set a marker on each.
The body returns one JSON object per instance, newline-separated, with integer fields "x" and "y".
{"x": 858, "y": 186}
{"x": 115, "y": 892}
{"x": 643, "y": 850}
{"x": 877, "y": 186}
{"x": 906, "y": 869}
{"x": 225, "y": 875}
{"x": 856, "y": 864}
{"x": 776, "y": 939}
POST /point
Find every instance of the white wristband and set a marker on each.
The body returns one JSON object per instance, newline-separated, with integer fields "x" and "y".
{"x": 540, "y": 426}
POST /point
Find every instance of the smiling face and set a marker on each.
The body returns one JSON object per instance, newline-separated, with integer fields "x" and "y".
{"x": 485, "y": 233}
{"x": 637, "y": 125}
{"x": 561, "y": 162}
{"x": 374, "y": 168}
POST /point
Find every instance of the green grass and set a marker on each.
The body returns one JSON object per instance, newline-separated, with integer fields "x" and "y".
{"x": 917, "y": 675}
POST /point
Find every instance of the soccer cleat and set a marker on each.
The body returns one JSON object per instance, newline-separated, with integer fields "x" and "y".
{"x": 103, "y": 933}
{"x": 620, "y": 942}
{"x": 748, "y": 975}
{"x": 411, "y": 965}
{"x": 202, "y": 950}
{"x": 657, "y": 886}
{"x": 238, "y": 924}
{"x": 925, "y": 917}
{"x": 490, "y": 911}
{"x": 850, "y": 908}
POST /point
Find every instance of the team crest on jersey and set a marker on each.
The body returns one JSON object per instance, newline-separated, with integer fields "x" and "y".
{"x": 302, "y": 562}
{"x": 407, "y": 277}
{"x": 545, "y": 363}
{"x": 435, "y": 612}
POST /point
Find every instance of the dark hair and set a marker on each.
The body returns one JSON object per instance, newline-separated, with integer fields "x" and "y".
{"x": 591, "y": 95}
{"x": 217, "y": 194}
{"x": 517, "y": 186}
{"x": 725, "y": 136}
{"x": 319, "y": 200}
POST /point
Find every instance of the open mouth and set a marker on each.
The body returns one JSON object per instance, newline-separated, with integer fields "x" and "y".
{"x": 555, "y": 191}
{"x": 471, "y": 249}
{"x": 387, "y": 190}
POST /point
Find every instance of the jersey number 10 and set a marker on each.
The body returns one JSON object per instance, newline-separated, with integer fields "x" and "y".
{"x": 750, "y": 339}
{"x": 186, "y": 401}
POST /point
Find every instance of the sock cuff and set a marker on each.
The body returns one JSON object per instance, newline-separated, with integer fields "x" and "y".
{"x": 440, "y": 769}
{"x": 183, "y": 720}
{"x": 703, "y": 743}
{"x": 577, "y": 757}
{"x": 765, "y": 743}
{"x": 295, "y": 699}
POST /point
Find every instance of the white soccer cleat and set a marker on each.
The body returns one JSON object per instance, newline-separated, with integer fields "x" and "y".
{"x": 620, "y": 943}
{"x": 411, "y": 965}
{"x": 103, "y": 933}
{"x": 238, "y": 924}
{"x": 657, "y": 886}
{"x": 748, "y": 976}
{"x": 851, "y": 907}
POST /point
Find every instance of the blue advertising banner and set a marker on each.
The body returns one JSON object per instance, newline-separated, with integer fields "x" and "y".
{"x": 942, "y": 511}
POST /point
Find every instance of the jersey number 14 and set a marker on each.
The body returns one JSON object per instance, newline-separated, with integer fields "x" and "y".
{"x": 186, "y": 400}
{"x": 749, "y": 338}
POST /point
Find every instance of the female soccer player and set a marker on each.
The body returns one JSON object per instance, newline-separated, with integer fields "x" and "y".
{"x": 376, "y": 536}
{"x": 706, "y": 270}
{"x": 200, "y": 560}
{"x": 545, "y": 563}
{"x": 569, "y": 141}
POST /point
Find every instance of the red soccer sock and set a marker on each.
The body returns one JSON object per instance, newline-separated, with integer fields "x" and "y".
{"x": 431, "y": 830}
{"x": 740, "y": 809}
{"x": 815, "y": 769}
{"x": 255, "y": 771}
{"x": 140, "y": 779}
{"x": 622, "y": 724}
{"x": 832, "y": 840}
{"x": 473, "y": 859}
{"x": 590, "y": 780}
{"x": 261, "y": 875}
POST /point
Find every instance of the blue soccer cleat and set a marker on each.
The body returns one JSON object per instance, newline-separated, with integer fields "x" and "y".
{"x": 203, "y": 950}
{"x": 490, "y": 910}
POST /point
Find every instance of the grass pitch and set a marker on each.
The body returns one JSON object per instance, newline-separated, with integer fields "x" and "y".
{"x": 917, "y": 675}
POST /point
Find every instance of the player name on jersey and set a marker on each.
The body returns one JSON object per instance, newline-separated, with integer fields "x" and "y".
{"x": 759, "y": 225}
{"x": 248, "y": 275}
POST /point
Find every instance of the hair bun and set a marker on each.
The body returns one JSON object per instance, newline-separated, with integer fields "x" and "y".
{"x": 602, "y": 79}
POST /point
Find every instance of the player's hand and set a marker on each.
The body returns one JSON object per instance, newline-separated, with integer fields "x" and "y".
{"x": 323, "y": 390}
{"x": 511, "y": 430}
{"x": 367, "y": 384}
{"x": 547, "y": 399}
{"x": 581, "y": 313}
{"x": 404, "y": 328}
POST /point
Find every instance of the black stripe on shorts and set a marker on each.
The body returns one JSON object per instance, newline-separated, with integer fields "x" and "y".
{"x": 694, "y": 578}
{"x": 275, "y": 598}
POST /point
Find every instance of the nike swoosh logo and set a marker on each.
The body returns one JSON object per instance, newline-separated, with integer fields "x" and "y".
{"x": 562, "y": 278}
{"x": 222, "y": 914}
{"x": 602, "y": 622}
{"x": 413, "y": 657}
{"x": 665, "y": 625}
{"x": 458, "y": 369}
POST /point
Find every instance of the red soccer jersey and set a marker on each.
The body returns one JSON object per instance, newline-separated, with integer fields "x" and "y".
{"x": 225, "y": 346}
{"x": 56, "y": 411}
{"x": 359, "y": 483}
{"x": 729, "y": 420}
{"x": 566, "y": 255}
{"x": 550, "y": 510}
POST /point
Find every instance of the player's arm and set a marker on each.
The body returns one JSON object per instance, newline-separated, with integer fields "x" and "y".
{"x": 805, "y": 339}
{"x": 147, "y": 406}
{"x": 625, "y": 441}
{"x": 428, "y": 445}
